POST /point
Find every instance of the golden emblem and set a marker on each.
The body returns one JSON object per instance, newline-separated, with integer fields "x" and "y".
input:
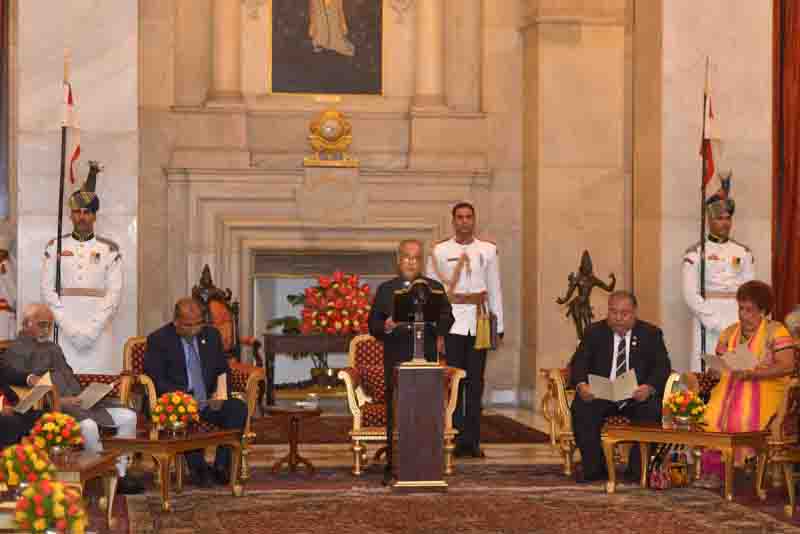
{"x": 330, "y": 138}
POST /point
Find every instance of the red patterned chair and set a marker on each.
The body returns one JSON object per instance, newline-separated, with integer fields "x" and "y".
{"x": 364, "y": 380}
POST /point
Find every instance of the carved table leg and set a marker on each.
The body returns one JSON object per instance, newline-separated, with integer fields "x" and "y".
{"x": 727, "y": 457}
{"x": 608, "y": 449}
{"x": 111, "y": 491}
{"x": 761, "y": 469}
{"x": 164, "y": 461}
{"x": 644, "y": 449}
{"x": 788, "y": 473}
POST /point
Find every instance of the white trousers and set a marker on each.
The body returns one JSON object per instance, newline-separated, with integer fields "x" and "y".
{"x": 124, "y": 419}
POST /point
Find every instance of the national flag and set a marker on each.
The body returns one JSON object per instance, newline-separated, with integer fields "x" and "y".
{"x": 706, "y": 148}
{"x": 71, "y": 121}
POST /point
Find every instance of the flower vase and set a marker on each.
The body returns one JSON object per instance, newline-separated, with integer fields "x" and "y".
{"x": 176, "y": 429}
{"x": 684, "y": 422}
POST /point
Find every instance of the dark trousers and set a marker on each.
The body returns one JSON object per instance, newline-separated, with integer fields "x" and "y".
{"x": 231, "y": 416}
{"x": 460, "y": 352}
{"x": 587, "y": 422}
{"x": 15, "y": 426}
{"x": 388, "y": 380}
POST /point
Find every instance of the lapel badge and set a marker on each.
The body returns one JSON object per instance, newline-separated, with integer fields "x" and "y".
{"x": 736, "y": 260}
{"x": 634, "y": 341}
{"x": 95, "y": 257}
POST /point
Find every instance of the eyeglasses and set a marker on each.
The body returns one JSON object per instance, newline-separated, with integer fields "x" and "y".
{"x": 44, "y": 324}
{"x": 410, "y": 259}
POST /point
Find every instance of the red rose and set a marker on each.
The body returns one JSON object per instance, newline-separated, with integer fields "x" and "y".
{"x": 352, "y": 280}
{"x": 365, "y": 288}
{"x": 305, "y": 329}
{"x": 23, "y": 503}
{"x": 324, "y": 282}
{"x": 346, "y": 330}
{"x": 47, "y": 489}
{"x": 37, "y": 427}
{"x": 170, "y": 408}
{"x": 338, "y": 276}
{"x": 330, "y": 330}
{"x": 33, "y": 477}
{"x": 184, "y": 418}
{"x": 162, "y": 418}
{"x": 65, "y": 432}
{"x": 364, "y": 328}
{"x": 312, "y": 301}
{"x": 309, "y": 292}
{"x": 38, "y": 499}
{"x": 61, "y": 525}
{"x": 330, "y": 294}
{"x": 339, "y": 304}
{"x": 39, "y": 511}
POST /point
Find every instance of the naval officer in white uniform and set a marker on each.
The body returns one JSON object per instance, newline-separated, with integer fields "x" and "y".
{"x": 91, "y": 287}
{"x": 729, "y": 264}
{"x": 469, "y": 269}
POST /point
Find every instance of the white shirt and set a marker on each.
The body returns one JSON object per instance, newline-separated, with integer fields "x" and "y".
{"x": 481, "y": 273}
{"x": 617, "y": 339}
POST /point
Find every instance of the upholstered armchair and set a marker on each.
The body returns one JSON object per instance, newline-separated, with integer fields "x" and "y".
{"x": 556, "y": 402}
{"x": 366, "y": 400}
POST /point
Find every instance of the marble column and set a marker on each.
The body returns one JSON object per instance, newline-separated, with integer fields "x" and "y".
{"x": 464, "y": 55}
{"x": 226, "y": 56}
{"x": 429, "y": 83}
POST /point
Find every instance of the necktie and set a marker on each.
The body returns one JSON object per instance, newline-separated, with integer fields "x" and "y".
{"x": 620, "y": 364}
{"x": 196, "y": 374}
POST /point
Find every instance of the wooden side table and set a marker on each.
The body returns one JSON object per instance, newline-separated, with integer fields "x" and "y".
{"x": 77, "y": 468}
{"x": 292, "y": 417}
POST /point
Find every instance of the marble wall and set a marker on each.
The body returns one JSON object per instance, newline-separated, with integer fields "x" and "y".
{"x": 103, "y": 39}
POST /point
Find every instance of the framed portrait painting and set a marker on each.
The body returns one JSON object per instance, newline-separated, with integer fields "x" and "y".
{"x": 327, "y": 46}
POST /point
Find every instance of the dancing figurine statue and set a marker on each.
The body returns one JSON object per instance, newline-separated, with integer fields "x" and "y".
{"x": 580, "y": 307}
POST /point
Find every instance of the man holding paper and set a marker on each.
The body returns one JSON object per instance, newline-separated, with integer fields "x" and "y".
{"x": 187, "y": 355}
{"x": 13, "y": 426}
{"x": 609, "y": 351}
{"x": 33, "y": 356}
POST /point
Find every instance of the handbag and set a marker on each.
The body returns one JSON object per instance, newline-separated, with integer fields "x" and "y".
{"x": 486, "y": 337}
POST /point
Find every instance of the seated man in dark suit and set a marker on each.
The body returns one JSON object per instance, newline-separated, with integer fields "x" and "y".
{"x": 187, "y": 355}
{"x": 397, "y": 342}
{"x": 610, "y": 348}
{"x": 13, "y": 426}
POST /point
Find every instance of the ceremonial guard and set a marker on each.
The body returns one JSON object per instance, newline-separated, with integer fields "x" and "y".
{"x": 8, "y": 291}
{"x": 469, "y": 270}
{"x": 91, "y": 286}
{"x": 728, "y": 265}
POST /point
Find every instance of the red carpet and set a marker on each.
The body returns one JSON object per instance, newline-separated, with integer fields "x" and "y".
{"x": 335, "y": 428}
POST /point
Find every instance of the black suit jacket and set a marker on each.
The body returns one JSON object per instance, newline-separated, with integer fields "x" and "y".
{"x": 9, "y": 376}
{"x": 165, "y": 360}
{"x": 648, "y": 354}
{"x": 397, "y": 344}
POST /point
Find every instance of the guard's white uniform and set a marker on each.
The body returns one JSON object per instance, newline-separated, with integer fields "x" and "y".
{"x": 8, "y": 299}
{"x": 728, "y": 266}
{"x": 91, "y": 290}
{"x": 481, "y": 272}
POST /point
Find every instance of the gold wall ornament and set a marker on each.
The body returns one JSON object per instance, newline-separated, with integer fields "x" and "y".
{"x": 330, "y": 138}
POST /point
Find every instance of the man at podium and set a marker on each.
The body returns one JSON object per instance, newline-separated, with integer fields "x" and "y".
{"x": 395, "y": 332}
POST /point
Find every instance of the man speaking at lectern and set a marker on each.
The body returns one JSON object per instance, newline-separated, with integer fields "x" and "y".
{"x": 396, "y": 338}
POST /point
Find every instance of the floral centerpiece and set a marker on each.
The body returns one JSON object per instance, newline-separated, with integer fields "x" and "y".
{"x": 338, "y": 304}
{"x": 176, "y": 409}
{"x": 686, "y": 407}
{"x": 24, "y": 463}
{"x": 55, "y": 431}
{"x": 50, "y": 505}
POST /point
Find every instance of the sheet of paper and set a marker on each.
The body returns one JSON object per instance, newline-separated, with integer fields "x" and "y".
{"x": 46, "y": 380}
{"x": 741, "y": 358}
{"x": 615, "y": 391}
{"x": 717, "y": 363}
{"x": 93, "y": 393}
{"x": 222, "y": 387}
{"x": 36, "y": 394}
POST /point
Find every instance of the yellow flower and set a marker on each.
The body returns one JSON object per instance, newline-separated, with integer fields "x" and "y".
{"x": 181, "y": 409}
{"x": 13, "y": 479}
{"x": 58, "y": 493}
{"x": 39, "y": 465}
{"x": 39, "y": 442}
{"x": 176, "y": 399}
{"x": 40, "y": 524}
{"x": 58, "y": 439}
{"x": 58, "y": 511}
{"x": 78, "y": 527}
{"x": 173, "y": 417}
{"x": 159, "y": 409}
{"x": 192, "y": 408}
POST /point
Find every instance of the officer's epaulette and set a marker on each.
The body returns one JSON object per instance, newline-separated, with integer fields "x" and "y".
{"x": 49, "y": 243}
{"x": 693, "y": 248}
{"x": 742, "y": 245}
{"x": 435, "y": 243}
{"x": 106, "y": 241}
{"x": 496, "y": 249}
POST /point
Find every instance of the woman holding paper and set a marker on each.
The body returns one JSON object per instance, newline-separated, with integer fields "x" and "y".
{"x": 745, "y": 400}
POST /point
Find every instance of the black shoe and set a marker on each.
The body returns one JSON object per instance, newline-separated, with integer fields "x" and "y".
{"x": 129, "y": 486}
{"x": 477, "y": 452}
{"x": 221, "y": 475}
{"x": 200, "y": 478}
{"x": 388, "y": 476}
{"x": 592, "y": 477}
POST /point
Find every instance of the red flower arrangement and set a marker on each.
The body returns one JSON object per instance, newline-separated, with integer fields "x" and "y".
{"x": 50, "y": 505}
{"x": 338, "y": 304}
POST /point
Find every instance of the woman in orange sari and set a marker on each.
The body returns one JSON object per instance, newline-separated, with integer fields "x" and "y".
{"x": 745, "y": 400}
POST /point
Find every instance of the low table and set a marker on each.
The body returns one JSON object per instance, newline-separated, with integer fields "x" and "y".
{"x": 165, "y": 448}
{"x": 77, "y": 468}
{"x": 291, "y": 418}
{"x": 645, "y": 434}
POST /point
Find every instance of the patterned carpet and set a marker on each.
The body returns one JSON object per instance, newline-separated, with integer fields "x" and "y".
{"x": 481, "y": 499}
{"x": 335, "y": 428}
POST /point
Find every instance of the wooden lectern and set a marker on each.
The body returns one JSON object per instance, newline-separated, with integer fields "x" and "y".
{"x": 418, "y": 445}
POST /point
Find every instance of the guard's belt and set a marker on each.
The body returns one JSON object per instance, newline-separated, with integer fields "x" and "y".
{"x": 82, "y": 292}
{"x": 468, "y": 298}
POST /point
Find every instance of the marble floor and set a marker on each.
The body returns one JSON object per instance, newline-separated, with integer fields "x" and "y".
{"x": 333, "y": 455}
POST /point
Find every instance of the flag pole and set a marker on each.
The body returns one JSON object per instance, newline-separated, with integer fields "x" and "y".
{"x": 61, "y": 190}
{"x": 703, "y": 217}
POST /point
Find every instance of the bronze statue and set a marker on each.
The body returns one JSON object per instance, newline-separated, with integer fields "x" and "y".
{"x": 580, "y": 307}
